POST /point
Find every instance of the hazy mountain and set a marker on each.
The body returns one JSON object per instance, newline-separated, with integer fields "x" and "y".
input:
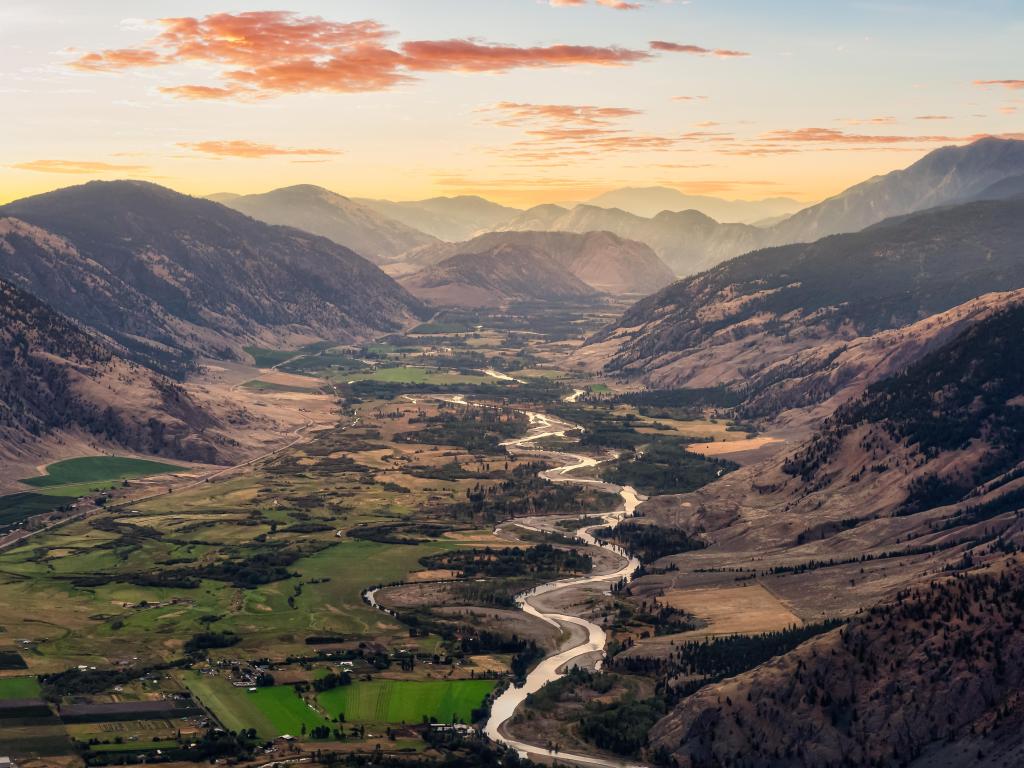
{"x": 223, "y": 197}
{"x": 447, "y": 218}
{"x": 499, "y": 274}
{"x": 603, "y": 261}
{"x": 690, "y": 242}
{"x": 944, "y": 176}
{"x": 650, "y": 201}
{"x": 56, "y": 377}
{"x": 322, "y": 212}
{"x": 170, "y": 276}
{"x": 746, "y": 314}
{"x": 928, "y": 679}
{"x": 1012, "y": 186}
{"x": 687, "y": 241}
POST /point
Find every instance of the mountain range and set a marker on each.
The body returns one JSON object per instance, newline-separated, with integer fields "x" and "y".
{"x": 731, "y": 322}
{"x": 650, "y": 201}
{"x": 56, "y": 379}
{"x": 171, "y": 277}
{"x": 447, "y": 218}
{"x": 497, "y": 275}
{"x": 603, "y": 261}
{"x": 314, "y": 209}
{"x": 690, "y": 242}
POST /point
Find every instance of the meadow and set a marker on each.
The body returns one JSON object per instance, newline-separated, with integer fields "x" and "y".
{"x": 19, "y": 688}
{"x": 273, "y": 711}
{"x": 406, "y": 701}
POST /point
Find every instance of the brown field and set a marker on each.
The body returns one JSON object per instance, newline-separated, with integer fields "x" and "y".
{"x": 727, "y": 447}
{"x": 732, "y": 610}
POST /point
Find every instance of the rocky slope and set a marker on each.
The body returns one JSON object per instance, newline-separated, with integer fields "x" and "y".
{"x": 502, "y": 273}
{"x": 740, "y": 318}
{"x": 931, "y": 679}
{"x": 57, "y": 378}
{"x": 453, "y": 219}
{"x": 944, "y": 176}
{"x": 322, "y": 212}
{"x": 170, "y": 277}
{"x": 918, "y": 472}
{"x": 604, "y": 261}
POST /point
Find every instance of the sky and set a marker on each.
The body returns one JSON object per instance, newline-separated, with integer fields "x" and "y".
{"x": 520, "y": 101}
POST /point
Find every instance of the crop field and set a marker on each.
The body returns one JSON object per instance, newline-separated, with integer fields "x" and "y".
{"x": 272, "y": 711}
{"x": 19, "y": 688}
{"x": 406, "y": 701}
{"x": 96, "y": 469}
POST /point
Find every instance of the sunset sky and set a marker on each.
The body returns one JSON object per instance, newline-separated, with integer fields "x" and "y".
{"x": 521, "y": 101}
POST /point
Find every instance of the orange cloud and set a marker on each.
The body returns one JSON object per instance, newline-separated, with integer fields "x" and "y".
{"x": 516, "y": 113}
{"x": 555, "y": 132}
{"x": 252, "y": 150}
{"x": 831, "y": 135}
{"x": 689, "y": 98}
{"x": 119, "y": 58}
{"x": 75, "y": 166}
{"x": 260, "y": 54}
{"x": 469, "y": 56}
{"x": 1013, "y": 85}
{"x": 722, "y": 53}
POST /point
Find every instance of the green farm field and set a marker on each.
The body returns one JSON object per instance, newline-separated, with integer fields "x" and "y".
{"x": 17, "y": 506}
{"x": 96, "y": 469}
{"x": 19, "y": 688}
{"x": 406, "y": 701}
{"x": 273, "y": 711}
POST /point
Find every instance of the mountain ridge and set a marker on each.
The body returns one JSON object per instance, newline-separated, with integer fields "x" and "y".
{"x": 170, "y": 277}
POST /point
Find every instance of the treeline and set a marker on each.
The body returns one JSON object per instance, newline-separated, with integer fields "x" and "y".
{"x": 693, "y": 665}
{"x": 477, "y": 430}
{"x": 664, "y": 467}
{"x": 649, "y": 542}
{"x": 526, "y": 493}
{"x": 541, "y": 560}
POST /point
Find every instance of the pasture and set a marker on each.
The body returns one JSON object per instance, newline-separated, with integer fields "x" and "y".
{"x": 406, "y": 701}
{"x": 273, "y": 711}
{"x": 19, "y": 688}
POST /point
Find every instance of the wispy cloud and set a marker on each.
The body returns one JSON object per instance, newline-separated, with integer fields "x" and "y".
{"x": 1013, "y": 85}
{"x": 558, "y": 133}
{"x": 618, "y": 5}
{"x": 696, "y": 50}
{"x": 76, "y": 166}
{"x": 251, "y": 150}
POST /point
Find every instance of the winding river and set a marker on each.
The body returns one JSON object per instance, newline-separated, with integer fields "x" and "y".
{"x": 574, "y": 651}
